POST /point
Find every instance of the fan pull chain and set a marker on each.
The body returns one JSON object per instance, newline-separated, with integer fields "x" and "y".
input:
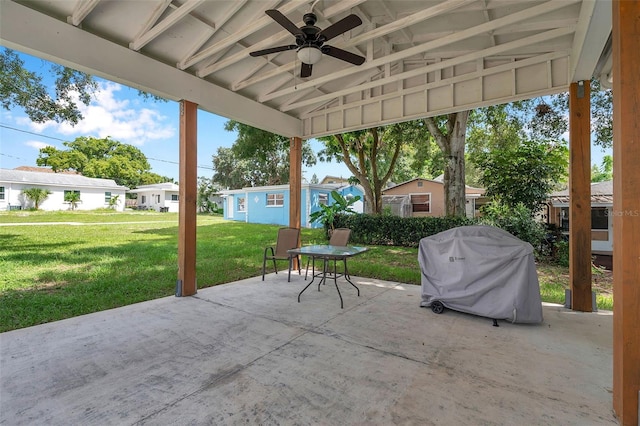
{"x": 295, "y": 67}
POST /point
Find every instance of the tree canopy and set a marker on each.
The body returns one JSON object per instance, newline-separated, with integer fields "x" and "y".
{"x": 256, "y": 158}
{"x": 371, "y": 156}
{"x": 518, "y": 152}
{"x": 20, "y": 87}
{"x": 526, "y": 173}
{"x": 102, "y": 158}
{"x": 26, "y": 89}
{"x": 604, "y": 172}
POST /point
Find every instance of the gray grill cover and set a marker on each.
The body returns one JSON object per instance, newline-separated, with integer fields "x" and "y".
{"x": 481, "y": 270}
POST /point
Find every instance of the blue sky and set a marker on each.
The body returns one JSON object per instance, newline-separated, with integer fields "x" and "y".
{"x": 119, "y": 112}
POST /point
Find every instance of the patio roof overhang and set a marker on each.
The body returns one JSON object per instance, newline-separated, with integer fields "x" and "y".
{"x": 423, "y": 58}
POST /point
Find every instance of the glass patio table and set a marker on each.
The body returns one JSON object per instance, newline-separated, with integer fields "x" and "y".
{"x": 328, "y": 253}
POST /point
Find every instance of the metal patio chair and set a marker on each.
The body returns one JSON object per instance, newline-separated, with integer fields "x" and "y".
{"x": 288, "y": 238}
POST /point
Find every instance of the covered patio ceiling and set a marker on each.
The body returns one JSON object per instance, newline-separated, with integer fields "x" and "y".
{"x": 423, "y": 58}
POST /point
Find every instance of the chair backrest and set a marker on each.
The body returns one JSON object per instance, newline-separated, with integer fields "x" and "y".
{"x": 287, "y": 239}
{"x": 340, "y": 237}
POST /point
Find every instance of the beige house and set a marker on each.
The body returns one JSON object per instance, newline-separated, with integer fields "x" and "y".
{"x": 424, "y": 197}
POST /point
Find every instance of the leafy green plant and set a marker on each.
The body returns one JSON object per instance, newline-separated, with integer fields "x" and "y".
{"x": 327, "y": 213}
{"x": 37, "y": 195}
{"x": 562, "y": 253}
{"x": 113, "y": 201}
{"x": 73, "y": 198}
{"x": 517, "y": 220}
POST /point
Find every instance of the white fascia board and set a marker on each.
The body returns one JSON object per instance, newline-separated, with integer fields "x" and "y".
{"x": 37, "y": 34}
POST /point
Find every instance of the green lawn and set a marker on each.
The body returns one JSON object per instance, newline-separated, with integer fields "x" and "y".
{"x": 52, "y": 272}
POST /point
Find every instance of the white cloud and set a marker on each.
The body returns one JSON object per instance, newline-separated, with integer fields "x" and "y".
{"x": 118, "y": 118}
{"x": 37, "y": 144}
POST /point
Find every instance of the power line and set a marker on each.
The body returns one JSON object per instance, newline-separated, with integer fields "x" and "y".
{"x": 32, "y": 133}
{"x": 64, "y": 140}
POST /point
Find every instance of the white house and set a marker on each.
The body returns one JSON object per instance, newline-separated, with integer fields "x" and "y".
{"x": 94, "y": 193}
{"x": 161, "y": 197}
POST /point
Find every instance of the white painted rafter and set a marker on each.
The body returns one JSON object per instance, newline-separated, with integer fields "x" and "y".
{"x": 206, "y": 36}
{"x": 274, "y": 40}
{"x": 81, "y": 10}
{"x": 153, "y": 18}
{"x": 165, "y": 24}
{"x": 258, "y": 24}
{"x": 459, "y": 36}
{"x": 370, "y": 35}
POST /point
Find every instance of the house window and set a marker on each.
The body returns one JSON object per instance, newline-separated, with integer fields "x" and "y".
{"x": 274, "y": 200}
{"x": 241, "y": 204}
{"x": 1, "y": 192}
{"x": 107, "y": 197}
{"x": 174, "y": 197}
{"x": 323, "y": 198}
{"x": 420, "y": 183}
{"x": 158, "y": 199}
{"x": 70, "y": 192}
{"x": 143, "y": 199}
{"x": 599, "y": 218}
{"x": 421, "y": 203}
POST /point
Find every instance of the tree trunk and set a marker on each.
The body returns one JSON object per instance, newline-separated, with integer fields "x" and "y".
{"x": 452, "y": 142}
{"x": 372, "y": 186}
{"x": 454, "y": 184}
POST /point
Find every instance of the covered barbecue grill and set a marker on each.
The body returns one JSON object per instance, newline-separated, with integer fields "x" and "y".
{"x": 480, "y": 270}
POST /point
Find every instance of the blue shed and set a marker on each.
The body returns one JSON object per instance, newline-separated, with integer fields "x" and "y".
{"x": 270, "y": 204}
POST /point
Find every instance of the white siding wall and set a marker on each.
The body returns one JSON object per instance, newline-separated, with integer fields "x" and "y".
{"x": 151, "y": 198}
{"x": 91, "y": 198}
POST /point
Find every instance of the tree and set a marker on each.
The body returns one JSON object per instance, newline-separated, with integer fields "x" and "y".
{"x": 449, "y": 133}
{"x": 20, "y": 87}
{"x": 525, "y": 174}
{"x": 256, "y": 158}
{"x": 101, "y": 158}
{"x": 206, "y": 189}
{"x": 419, "y": 155}
{"x": 37, "y": 195}
{"x": 73, "y": 198}
{"x": 604, "y": 172}
{"x": 23, "y": 88}
{"x": 601, "y": 112}
{"x": 370, "y": 155}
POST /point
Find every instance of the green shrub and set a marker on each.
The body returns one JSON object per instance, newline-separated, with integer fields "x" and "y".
{"x": 385, "y": 230}
{"x": 562, "y": 253}
{"x": 516, "y": 220}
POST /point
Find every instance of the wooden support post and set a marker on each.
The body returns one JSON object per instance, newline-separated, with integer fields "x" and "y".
{"x": 580, "y": 196}
{"x": 295, "y": 185}
{"x": 626, "y": 210}
{"x": 186, "y": 285}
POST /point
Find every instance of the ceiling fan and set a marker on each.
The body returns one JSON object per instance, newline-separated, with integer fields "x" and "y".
{"x": 310, "y": 40}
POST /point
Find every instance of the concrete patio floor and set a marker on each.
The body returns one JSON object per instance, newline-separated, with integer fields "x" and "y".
{"x": 249, "y": 353}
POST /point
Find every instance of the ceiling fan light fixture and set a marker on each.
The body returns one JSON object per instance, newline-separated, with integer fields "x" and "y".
{"x": 309, "y": 55}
